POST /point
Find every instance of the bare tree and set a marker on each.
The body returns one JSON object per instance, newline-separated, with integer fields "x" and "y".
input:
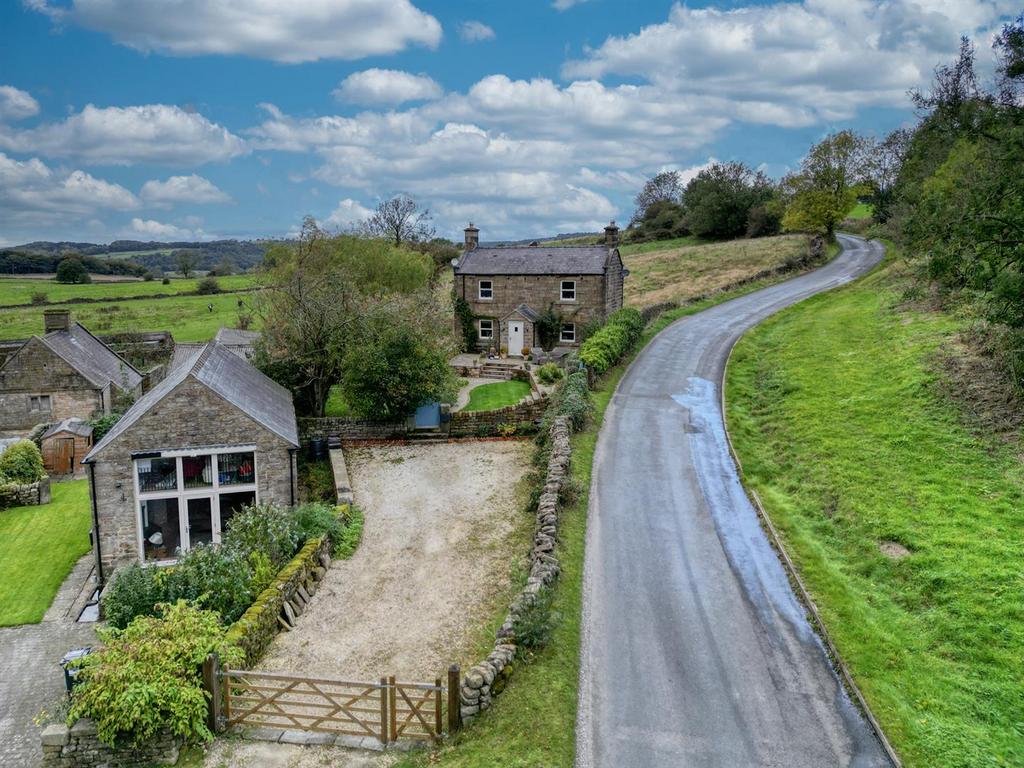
{"x": 665, "y": 186}
{"x": 884, "y": 164}
{"x": 401, "y": 220}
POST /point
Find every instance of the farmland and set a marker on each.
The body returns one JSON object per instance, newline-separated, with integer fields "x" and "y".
{"x": 20, "y": 290}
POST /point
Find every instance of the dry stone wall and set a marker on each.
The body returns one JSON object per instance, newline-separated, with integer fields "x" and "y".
{"x": 15, "y": 495}
{"x": 78, "y": 746}
{"x": 486, "y": 679}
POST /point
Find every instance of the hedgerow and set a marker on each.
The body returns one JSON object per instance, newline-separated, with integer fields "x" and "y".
{"x": 612, "y": 341}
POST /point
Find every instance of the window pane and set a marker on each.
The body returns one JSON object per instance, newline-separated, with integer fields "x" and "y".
{"x": 200, "y": 521}
{"x": 197, "y": 471}
{"x": 161, "y": 532}
{"x": 157, "y": 474}
{"x": 236, "y": 468}
{"x": 231, "y": 503}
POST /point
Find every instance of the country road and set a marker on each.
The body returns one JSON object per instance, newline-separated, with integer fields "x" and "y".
{"x": 695, "y": 650}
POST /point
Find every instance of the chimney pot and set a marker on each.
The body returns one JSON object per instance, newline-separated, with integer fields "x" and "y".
{"x": 472, "y": 237}
{"x": 611, "y": 235}
{"x": 56, "y": 320}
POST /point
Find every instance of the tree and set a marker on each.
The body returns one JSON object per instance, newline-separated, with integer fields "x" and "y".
{"x": 884, "y": 165}
{"x": 187, "y": 261}
{"x": 662, "y": 187}
{"x": 662, "y": 220}
{"x": 718, "y": 200}
{"x": 72, "y": 270}
{"x": 401, "y": 221}
{"x": 396, "y": 372}
{"x": 825, "y": 190}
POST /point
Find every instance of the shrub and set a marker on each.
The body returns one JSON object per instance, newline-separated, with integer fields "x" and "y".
{"x": 352, "y": 532}
{"x": 165, "y": 281}
{"x": 22, "y": 463}
{"x": 135, "y": 591}
{"x": 208, "y": 285}
{"x": 318, "y": 479}
{"x": 215, "y": 578}
{"x": 39, "y": 297}
{"x": 535, "y": 622}
{"x": 102, "y": 425}
{"x": 266, "y": 529}
{"x": 147, "y": 677}
{"x": 612, "y": 341}
{"x": 549, "y": 373}
{"x": 316, "y": 520}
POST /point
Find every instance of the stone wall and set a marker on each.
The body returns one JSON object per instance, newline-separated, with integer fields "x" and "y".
{"x": 485, "y": 423}
{"x": 350, "y": 429}
{"x": 15, "y": 495}
{"x": 78, "y": 746}
{"x": 278, "y": 606}
{"x": 485, "y": 680}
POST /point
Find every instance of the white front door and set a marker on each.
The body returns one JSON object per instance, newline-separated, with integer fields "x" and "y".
{"x": 515, "y": 337}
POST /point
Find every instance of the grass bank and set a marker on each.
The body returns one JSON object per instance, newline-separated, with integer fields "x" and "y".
{"x": 489, "y": 397}
{"x": 38, "y": 547}
{"x": 907, "y": 528}
{"x": 15, "y": 290}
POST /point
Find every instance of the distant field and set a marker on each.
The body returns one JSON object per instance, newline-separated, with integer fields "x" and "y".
{"x": 674, "y": 270}
{"x": 19, "y": 290}
{"x": 861, "y": 211}
{"x": 187, "y": 317}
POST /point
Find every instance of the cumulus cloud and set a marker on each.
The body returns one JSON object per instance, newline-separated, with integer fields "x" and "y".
{"x": 16, "y": 104}
{"x": 386, "y": 87}
{"x": 182, "y": 189}
{"x": 153, "y": 133}
{"x": 151, "y": 229}
{"x": 475, "y": 31}
{"x": 348, "y": 213}
{"x": 289, "y": 32}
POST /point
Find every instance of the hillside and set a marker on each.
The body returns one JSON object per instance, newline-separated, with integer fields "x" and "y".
{"x": 152, "y": 255}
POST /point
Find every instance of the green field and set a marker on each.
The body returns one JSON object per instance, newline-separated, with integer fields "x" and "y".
{"x": 841, "y": 430}
{"x": 38, "y": 548}
{"x": 489, "y": 397}
{"x": 188, "y": 318}
{"x": 14, "y": 291}
{"x": 861, "y": 211}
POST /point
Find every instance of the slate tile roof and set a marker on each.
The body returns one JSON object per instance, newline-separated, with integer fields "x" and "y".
{"x": 72, "y": 425}
{"x": 534, "y": 260}
{"x": 92, "y": 358}
{"x": 228, "y": 375}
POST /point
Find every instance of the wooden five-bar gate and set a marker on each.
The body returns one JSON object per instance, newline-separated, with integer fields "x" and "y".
{"x": 386, "y": 710}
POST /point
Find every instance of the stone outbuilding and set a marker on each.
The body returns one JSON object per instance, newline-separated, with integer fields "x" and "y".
{"x": 65, "y": 373}
{"x": 214, "y": 436}
{"x": 509, "y": 289}
{"x": 64, "y": 445}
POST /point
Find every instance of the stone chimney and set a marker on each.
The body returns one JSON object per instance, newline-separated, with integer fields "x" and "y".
{"x": 56, "y": 320}
{"x": 611, "y": 235}
{"x": 472, "y": 237}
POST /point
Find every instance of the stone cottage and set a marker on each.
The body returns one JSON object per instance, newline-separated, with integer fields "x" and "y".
{"x": 65, "y": 373}
{"x": 509, "y": 288}
{"x": 214, "y": 436}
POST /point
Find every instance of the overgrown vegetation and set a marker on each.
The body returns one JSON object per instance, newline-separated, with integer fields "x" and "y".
{"x": 549, "y": 373}
{"x": 612, "y": 341}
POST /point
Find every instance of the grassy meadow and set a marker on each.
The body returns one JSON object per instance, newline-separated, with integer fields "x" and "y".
{"x": 907, "y": 527}
{"x": 15, "y": 290}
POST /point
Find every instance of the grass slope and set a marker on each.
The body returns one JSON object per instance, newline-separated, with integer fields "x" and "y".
{"x": 681, "y": 270}
{"x": 488, "y": 397}
{"x": 15, "y": 291}
{"x": 841, "y": 431}
{"x": 38, "y": 548}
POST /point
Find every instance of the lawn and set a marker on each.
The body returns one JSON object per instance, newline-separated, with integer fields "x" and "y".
{"x": 188, "y": 317}
{"x": 38, "y": 548}
{"x": 489, "y": 397}
{"x": 336, "y": 404}
{"x": 679, "y": 270}
{"x": 841, "y": 430}
{"x": 14, "y": 290}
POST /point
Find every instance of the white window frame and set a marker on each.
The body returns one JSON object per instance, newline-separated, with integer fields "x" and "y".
{"x": 480, "y": 330}
{"x": 490, "y": 290}
{"x": 571, "y": 328}
{"x": 183, "y": 494}
{"x": 571, "y": 290}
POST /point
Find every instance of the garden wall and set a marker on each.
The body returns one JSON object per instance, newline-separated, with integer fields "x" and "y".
{"x": 485, "y": 680}
{"x": 485, "y": 423}
{"x": 350, "y": 429}
{"x": 78, "y": 746}
{"x": 15, "y": 495}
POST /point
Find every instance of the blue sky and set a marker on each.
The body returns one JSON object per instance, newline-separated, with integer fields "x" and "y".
{"x": 198, "y": 119}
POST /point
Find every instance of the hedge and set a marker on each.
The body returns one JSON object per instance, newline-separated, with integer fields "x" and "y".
{"x": 612, "y": 341}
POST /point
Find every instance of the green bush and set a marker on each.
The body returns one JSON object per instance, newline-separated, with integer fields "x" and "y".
{"x": 315, "y": 520}
{"x": 215, "y": 578}
{"x": 134, "y": 591}
{"x": 146, "y": 677}
{"x": 102, "y": 425}
{"x": 352, "y": 532}
{"x": 22, "y": 463}
{"x": 535, "y": 623}
{"x": 549, "y": 373}
{"x": 612, "y": 341}
{"x": 208, "y": 285}
{"x": 317, "y": 478}
{"x": 267, "y": 529}
{"x": 39, "y": 297}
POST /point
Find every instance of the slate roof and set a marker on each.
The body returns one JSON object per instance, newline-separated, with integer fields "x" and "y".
{"x": 72, "y": 425}
{"x": 231, "y": 377}
{"x": 92, "y": 358}
{"x": 528, "y": 312}
{"x": 240, "y": 342}
{"x": 534, "y": 260}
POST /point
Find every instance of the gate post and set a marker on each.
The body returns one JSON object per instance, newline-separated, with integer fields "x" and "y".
{"x": 454, "y": 699}
{"x": 393, "y": 700}
{"x": 211, "y": 682}
{"x": 384, "y": 711}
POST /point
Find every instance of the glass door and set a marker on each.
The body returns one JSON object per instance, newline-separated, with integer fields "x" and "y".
{"x": 200, "y": 520}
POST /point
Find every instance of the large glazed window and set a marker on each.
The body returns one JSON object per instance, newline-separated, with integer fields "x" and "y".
{"x": 161, "y": 529}
{"x": 157, "y": 475}
{"x": 236, "y": 468}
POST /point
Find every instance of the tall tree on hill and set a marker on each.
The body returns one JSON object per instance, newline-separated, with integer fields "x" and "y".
{"x": 662, "y": 187}
{"x": 719, "y": 199}
{"x": 72, "y": 270}
{"x": 400, "y": 220}
{"x": 187, "y": 261}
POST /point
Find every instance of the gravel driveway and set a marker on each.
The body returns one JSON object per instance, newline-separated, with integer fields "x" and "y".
{"x": 444, "y": 524}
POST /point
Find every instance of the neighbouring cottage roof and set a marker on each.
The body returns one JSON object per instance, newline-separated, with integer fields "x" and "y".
{"x": 527, "y": 312}
{"x": 93, "y": 359}
{"x": 534, "y": 260}
{"x": 72, "y": 425}
{"x": 238, "y": 341}
{"x": 231, "y": 377}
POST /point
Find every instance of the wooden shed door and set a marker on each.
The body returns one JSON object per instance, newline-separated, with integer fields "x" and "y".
{"x": 65, "y": 460}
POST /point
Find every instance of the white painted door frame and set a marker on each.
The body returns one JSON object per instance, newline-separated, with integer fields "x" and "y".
{"x": 516, "y": 337}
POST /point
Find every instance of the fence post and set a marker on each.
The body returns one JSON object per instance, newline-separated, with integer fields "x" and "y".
{"x": 211, "y": 682}
{"x": 454, "y": 699}
{"x": 438, "y": 726}
{"x": 393, "y": 696}
{"x": 383, "y": 710}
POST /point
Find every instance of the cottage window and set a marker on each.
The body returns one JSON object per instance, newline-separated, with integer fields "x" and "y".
{"x": 568, "y": 333}
{"x": 187, "y": 499}
{"x": 39, "y": 403}
{"x": 568, "y": 290}
{"x": 486, "y": 291}
{"x": 486, "y": 330}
